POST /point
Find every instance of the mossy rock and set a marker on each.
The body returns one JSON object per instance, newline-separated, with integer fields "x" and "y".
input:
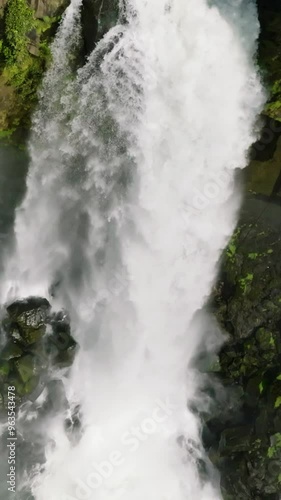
{"x": 266, "y": 340}
{"x": 29, "y": 317}
{"x": 31, "y": 385}
{"x": 11, "y": 351}
{"x": 33, "y": 335}
{"x": 4, "y": 369}
{"x": 247, "y": 304}
{"x": 31, "y": 312}
{"x": 25, "y": 367}
{"x": 269, "y": 55}
{"x": 235, "y": 440}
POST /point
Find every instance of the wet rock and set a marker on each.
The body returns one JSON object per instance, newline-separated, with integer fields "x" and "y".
{"x": 31, "y": 311}
{"x": 25, "y": 367}
{"x": 97, "y": 17}
{"x": 56, "y": 400}
{"x": 61, "y": 345}
{"x": 235, "y": 440}
{"x": 4, "y": 369}
{"x": 269, "y": 50}
{"x": 30, "y": 317}
{"x": 11, "y": 351}
{"x": 48, "y": 8}
{"x": 73, "y": 424}
{"x": 37, "y": 339}
{"x": 89, "y": 25}
{"x": 234, "y": 481}
{"x": 247, "y": 303}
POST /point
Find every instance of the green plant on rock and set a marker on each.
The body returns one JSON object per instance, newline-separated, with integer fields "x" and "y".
{"x": 18, "y": 22}
{"x": 25, "y": 78}
{"x": 275, "y": 445}
{"x": 253, "y": 255}
{"x": 45, "y": 24}
{"x": 232, "y": 246}
{"x": 245, "y": 282}
{"x": 277, "y": 402}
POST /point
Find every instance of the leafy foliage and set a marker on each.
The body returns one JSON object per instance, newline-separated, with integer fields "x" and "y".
{"x": 22, "y": 69}
{"x": 18, "y": 22}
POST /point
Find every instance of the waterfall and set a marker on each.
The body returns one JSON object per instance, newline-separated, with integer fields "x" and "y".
{"x": 131, "y": 198}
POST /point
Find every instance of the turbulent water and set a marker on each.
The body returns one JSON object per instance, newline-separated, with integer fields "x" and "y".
{"x": 130, "y": 200}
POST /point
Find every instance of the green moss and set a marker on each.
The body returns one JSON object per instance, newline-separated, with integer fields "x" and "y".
{"x": 231, "y": 250}
{"x": 45, "y": 24}
{"x": 265, "y": 339}
{"x": 273, "y": 109}
{"x": 232, "y": 246}
{"x": 272, "y": 342}
{"x": 11, "y": 351}
{"x": 25, "y": 367}
{"x": 253, "y": 256}
{"x": 275, "y": 446}
{"x": 245, "y": 282}
{"x": 6, "y": 134}
{"x": 4, "y": 368}
{"x": 277, "y": 402}
{"x": 271, "y": 452}
{"x": 261, "y": 387}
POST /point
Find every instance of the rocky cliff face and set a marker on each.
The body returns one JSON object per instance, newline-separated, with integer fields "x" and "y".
{"x": 270, "y": 53}
{"x": 242, "y": 431}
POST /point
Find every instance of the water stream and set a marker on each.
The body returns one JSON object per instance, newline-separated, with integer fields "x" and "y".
{"x": 131, "y": 198}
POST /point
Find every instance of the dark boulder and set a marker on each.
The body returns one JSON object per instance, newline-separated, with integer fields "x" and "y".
{"x": 37, "y": 339}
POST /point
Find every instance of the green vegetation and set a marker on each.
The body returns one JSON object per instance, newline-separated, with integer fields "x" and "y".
{"x": 276, "y": 445}
{"x": 245, "y": 282}
{"x": 232, "y": 246}
{"x": 277, "y": 402}
{"x": 18, "y": 22}
{"x": 24, "y": 57}
{"x": 253, "y": 256}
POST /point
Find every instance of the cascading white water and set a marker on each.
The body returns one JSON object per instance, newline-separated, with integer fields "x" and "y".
{"x": 130, "y": 201}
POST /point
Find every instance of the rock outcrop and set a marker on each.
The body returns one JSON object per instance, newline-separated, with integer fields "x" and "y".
{"x": 243, "y": 430}
{"x": 34, "y": 340}
{"x": 269, "y": 53}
